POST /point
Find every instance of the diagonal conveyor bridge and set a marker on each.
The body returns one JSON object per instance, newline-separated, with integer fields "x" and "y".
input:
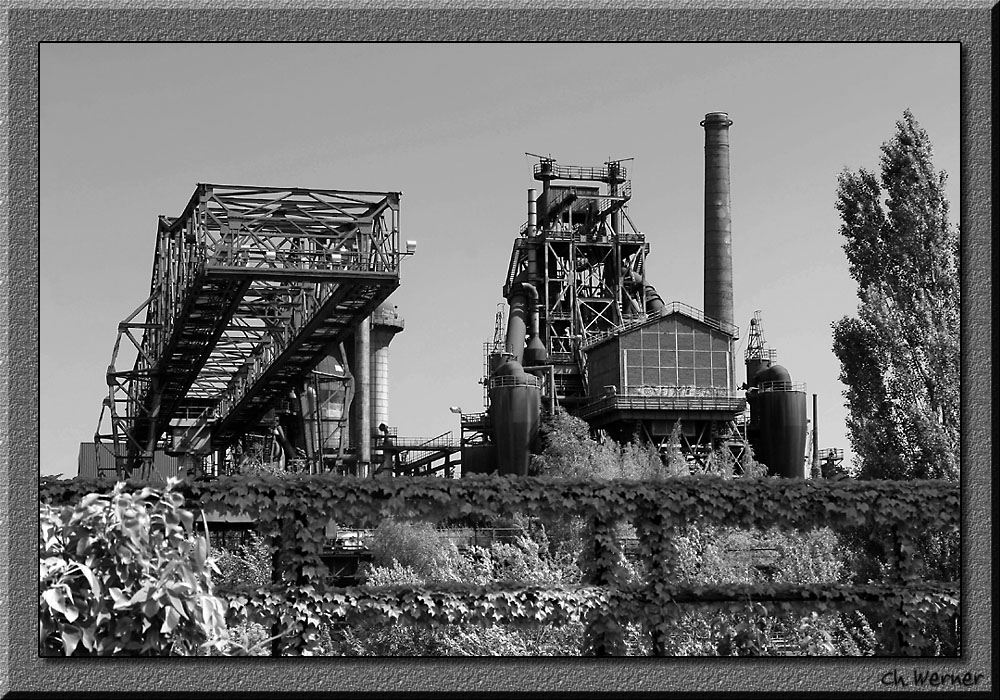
{"x": 251, "y": 286}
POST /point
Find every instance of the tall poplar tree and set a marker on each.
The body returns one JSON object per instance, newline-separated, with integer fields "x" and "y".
{"x": 900, "y": 355}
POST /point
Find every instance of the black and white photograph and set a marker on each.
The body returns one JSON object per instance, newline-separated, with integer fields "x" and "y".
{"x": 528, "y": 350}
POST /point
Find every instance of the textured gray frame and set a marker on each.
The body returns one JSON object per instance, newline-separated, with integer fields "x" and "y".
{"x": 23, "y": 26}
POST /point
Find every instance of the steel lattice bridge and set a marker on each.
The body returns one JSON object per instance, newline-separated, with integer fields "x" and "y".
{"x": 250, "y": 288}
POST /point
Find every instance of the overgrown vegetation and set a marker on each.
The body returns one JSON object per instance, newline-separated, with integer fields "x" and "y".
{"x": 569, "y": 450}
{"x": 664, "y": 565}
{"x": 415, "y": 553}
{"x": 125, "y": 574}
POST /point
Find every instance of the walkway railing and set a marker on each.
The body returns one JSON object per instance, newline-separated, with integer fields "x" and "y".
{"x": 673, "y": 307}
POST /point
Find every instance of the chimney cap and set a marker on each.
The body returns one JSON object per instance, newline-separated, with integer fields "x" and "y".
{"x": 720, "y": 119}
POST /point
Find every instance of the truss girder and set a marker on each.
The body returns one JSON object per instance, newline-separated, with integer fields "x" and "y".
{"x": 584, "y": 266}
{"x": 196, "y": 327}
{"x": 249, "y": 285}
{"x": 333, "y": 310}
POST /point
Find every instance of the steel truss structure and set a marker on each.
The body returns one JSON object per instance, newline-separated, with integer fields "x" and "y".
{"x": 251, "y": 287}
{"x": 587, "y": 260}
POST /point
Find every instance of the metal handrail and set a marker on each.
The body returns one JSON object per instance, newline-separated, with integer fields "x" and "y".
{"x": 779, "y": 386}
{"x": 729, "y": 402}
{"x": 672, "y": 307}
{"x": 512, "y": 380}
{"x": 574, "y": 172}
{"x": 681, "y": 391}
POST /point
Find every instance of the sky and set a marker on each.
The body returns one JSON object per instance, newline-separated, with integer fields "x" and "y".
{"x": 127, "y": 130}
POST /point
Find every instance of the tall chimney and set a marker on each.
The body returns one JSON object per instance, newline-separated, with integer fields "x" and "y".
{"x": 718, "y": 221}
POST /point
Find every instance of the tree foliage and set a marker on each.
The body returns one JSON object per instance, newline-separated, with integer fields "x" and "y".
{"x": 616, "y": 583}
{"x": 125, "y": 574}
{"x": 570, "y": 450}
{"x": 900, "y": 356}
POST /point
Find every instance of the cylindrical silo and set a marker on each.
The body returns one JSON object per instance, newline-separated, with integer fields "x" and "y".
{"x": 778, "y": 422}
{"x": 515, "y": 406}
{"x": 718, "y": 219}
{"x": 386, "y": 323}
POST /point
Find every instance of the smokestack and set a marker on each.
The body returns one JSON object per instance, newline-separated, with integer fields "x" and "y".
{"x": 718, "y": 221}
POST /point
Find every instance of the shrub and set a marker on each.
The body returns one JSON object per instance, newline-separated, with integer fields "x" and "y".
{"x": 414, "y": 545}
{"x": 246, "y": 564}
{"x": 406, "y": 552}
{"x": 125, "y": 574}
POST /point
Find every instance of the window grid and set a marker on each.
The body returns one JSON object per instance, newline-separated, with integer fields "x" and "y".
{"x": 677, "y": 353}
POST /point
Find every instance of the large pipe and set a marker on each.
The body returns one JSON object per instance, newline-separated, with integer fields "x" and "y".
{"x": 651, "y": 298}
{"x": 718, "y": 220}
{"x": 362, "y": 397}
{"x": 517, "y": 328}
{"x": 386, "y": 323}
{"x": 532, "y": 232}
{"x": 532, "y": 212}
{"x": 815, "y": 441}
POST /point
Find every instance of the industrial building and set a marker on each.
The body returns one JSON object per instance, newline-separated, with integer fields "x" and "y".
{"x": 265, "y": 337}
{"x": 587, "y": 330}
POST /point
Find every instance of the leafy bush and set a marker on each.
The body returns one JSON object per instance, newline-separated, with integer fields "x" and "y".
{"x": 570, "y": 450}
{"x": 246, "y": 564}
{"x": 412, "y": 544}
{"x": 408, "y": 552}
{"x": 125, "y": 574}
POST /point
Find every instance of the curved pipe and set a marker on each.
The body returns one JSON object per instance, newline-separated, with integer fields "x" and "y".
{"x": 652, "y": 299}
{"x": 517, "y": 329}
{"x": 533, "y": 293}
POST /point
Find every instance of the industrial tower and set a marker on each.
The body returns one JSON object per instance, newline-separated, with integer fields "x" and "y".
{"x": 593, "y": 335}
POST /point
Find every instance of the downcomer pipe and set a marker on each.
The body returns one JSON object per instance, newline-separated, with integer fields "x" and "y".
{"x": 651, "y": 298}
{"x": 718, "y": 220}
{"x": 517, "y": 329}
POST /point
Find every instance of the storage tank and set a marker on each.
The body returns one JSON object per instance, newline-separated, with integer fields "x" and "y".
{"x": 515, "y": 407}
{"x": 778, "y": 422}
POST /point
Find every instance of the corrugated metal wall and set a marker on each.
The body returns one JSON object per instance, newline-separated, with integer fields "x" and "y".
{"x": 101, "y": 462}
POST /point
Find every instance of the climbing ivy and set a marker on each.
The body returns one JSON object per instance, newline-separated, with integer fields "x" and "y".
{"x": 291, "y": 514}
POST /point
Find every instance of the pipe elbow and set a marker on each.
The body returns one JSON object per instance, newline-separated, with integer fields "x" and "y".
{"x": 532, "y": 292}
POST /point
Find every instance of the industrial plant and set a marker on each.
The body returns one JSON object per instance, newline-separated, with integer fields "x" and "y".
{"x": 265, "y": 339}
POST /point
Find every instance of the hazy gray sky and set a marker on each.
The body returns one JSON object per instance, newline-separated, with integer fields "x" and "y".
{"x": 127, "y": 130}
